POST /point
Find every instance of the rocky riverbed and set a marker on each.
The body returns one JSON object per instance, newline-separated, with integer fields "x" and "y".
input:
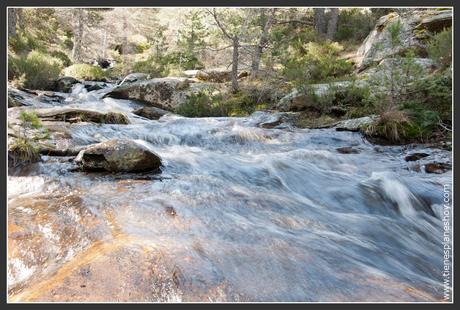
{"x": 218, "y": 209}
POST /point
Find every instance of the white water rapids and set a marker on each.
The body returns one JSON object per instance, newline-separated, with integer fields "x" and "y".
{"x": 239, "y": 212}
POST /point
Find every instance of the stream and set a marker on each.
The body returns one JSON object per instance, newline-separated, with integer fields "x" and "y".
{"x": 238, "y": 213}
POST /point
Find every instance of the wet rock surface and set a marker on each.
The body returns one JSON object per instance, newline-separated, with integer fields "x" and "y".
{"x": 437, "y": 168}
{"x": 347, "y": 150}
{"x": 416, "y": 156}
{"x": 233, "y": 198}
{"x": 150, "y": 112}
{"x": 118, "y": 156}
{"x": 73, "y": 115}
{"x": 65, "y": 84}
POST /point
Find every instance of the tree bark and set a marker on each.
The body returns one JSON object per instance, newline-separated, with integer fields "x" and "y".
{"x": 124, "y": 48}
{"x": 262, "y": 42}
{"x": 12, "y": 23}
{"x": 332, "y": 24}
{"x": 320, "y": 21}
{"x": 20, "y": 19}
{"x": 78, "y": 36}
{"x": 236, "y": 44}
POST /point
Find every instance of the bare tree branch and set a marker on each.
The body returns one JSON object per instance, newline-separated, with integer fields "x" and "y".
{"x": 216, "y": 18}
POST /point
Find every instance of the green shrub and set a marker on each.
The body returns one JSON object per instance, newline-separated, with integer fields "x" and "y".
{"x": 85, "y": 72}
{"x": 354, "y": 25}
{"x": 186, "y": 61}
{"x": 141, "y": 47}
{"x": 24, "y": 151}
{"x": 63, "y": 57}
{"x": 316, "y": 62}
{"x": 197, "y": 105}
{"x": 25, "y": 42}
{"x": 439, "y": 48}
{"x": 432, "y": 93}
{"x": 151, "y": 67}
{"x": 392, "y": 126}
{"x": 204, "y": 104}
{"x": 36, "y": 70}
{"x": 30, "y": 120}
{"x": 336, "y": 99}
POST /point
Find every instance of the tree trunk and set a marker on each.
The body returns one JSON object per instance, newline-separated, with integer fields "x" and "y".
{"x": 20, "y": 18}
{"x": 320, "y": 21}
{"x": 78, "y": 36}
{"x": 332, "y": 24}
{"x": 104, "y": 44}
{"x": 12, "y": 23}
{"x": 124, "y": 48}
{"x": 235, "y": 64}
{"x": 259, "y": 48}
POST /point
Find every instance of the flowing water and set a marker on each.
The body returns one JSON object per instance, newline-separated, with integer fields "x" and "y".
{"x": 239, "y": 213}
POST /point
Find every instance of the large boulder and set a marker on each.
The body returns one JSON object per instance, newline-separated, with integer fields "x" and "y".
{"x": 416, "y": 27}
{"x": 64, "y": 84}
{"x": 118, "y": 155}
{"x": 388, "y": 66}
{"x": 164, "y": 93}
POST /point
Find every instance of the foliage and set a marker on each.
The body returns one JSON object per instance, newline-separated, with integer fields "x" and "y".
{"x": 151, "y": 66}
{"x": 24, "y": 42}
{"x": 353, "y": 25}
{"x": 185, "y": 60}
{"x": 439, "y": 48}
{"x": 85, "y": 72}
{"x": 316, "y": 62}
{"x": 62, "y": 56}
{"x": 193, "y": 33}
{"x": 30, "y": 120}
{"x": 392, "y": 126}
{"x": 36, "y": 70}
{"x": 24, "y": 151}
{"x": 197, "y": 105}
{"x": 205, "y": 104}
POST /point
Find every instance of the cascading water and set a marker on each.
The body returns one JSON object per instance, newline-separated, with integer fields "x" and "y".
{"x": 239, "y": 213}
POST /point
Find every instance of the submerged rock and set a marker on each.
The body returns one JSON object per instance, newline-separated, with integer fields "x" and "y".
{"x": 118, "y": 156}
{"x": 347, "y": 150}
{"x": 150, "y": 112}
{"x": 437, "y": 168}
{"x": 416, "y": 156}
